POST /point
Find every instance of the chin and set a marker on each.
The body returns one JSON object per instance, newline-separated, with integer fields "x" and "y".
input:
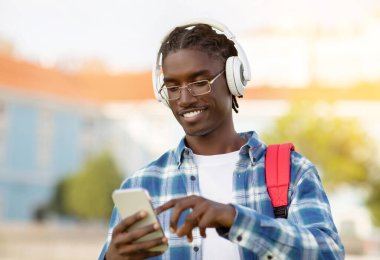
{"x": 196, "y": 131}
{"x": 199, "y": 128}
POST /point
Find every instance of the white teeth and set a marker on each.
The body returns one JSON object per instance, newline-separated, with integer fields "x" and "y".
{"x": 193, "y": 113}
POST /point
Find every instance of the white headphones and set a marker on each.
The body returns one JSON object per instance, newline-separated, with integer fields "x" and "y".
{"x": 238, "y": 71}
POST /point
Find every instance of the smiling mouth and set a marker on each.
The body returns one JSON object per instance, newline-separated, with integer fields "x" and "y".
{"x": 192, "y": 113}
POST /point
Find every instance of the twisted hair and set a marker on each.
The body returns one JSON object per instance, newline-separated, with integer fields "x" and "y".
{"x": 203, "y": 38}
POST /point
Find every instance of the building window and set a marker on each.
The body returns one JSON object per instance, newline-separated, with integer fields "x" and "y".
{"x": 3, "y": 131}
{"x": 45, "y": 137}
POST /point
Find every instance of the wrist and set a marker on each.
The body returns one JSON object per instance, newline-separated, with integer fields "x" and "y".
{"x": 228, "y": 217}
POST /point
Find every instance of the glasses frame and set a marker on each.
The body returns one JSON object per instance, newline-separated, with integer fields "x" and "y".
{"x": 209, "y": 83}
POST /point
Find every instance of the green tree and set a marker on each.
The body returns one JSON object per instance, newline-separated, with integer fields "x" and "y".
{"x": 373, "y": 202}
{"x": 339, "y": 147}
{"x": 87, "y": 193}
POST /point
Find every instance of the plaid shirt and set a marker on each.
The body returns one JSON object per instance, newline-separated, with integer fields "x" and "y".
{"x": 308, "y": 232}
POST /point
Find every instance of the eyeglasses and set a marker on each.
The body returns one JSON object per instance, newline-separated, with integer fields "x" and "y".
{"x": 196, "y": 88}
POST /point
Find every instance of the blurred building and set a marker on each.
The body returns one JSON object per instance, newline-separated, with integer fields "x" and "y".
{"x": 42, "y": 138}
{"x": 50, "y": 123}
{"x": 310, "y": 54}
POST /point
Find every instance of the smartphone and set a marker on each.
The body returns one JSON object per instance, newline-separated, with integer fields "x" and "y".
{"x": 131, "y": 201}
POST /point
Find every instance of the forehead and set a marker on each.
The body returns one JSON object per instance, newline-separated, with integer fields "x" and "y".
{"x": 188, "y": 61}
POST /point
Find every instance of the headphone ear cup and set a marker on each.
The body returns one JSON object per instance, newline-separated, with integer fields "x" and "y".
{"x": 159, "y": 79}
{"x": 234, "y": 76}
{"x": 164, "y": 97}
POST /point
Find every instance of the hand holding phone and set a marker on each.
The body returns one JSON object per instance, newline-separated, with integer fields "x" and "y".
{"x": 131, "y": 201}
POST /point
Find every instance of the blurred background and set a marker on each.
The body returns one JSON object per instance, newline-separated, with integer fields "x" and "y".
{"x": 78, "y": 115}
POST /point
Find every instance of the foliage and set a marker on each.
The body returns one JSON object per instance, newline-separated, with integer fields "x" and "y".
{"x": 87, "y": 193}
{"x": 373, "y": 202}
{"x": 339, "y": 147}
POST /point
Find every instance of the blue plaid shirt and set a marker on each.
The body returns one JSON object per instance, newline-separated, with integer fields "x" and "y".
{"x": 308, "y": 232}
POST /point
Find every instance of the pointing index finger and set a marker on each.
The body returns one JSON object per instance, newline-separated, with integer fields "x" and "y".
{"x": 168, "y": 205}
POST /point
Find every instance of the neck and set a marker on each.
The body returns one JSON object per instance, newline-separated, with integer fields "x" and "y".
{"x": 212, "y": 144}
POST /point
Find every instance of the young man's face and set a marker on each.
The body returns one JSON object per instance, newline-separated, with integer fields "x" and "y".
{"x": 205, "y": 114}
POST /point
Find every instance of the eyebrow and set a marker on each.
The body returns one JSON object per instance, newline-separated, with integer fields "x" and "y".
{"x": 192, "y": 76}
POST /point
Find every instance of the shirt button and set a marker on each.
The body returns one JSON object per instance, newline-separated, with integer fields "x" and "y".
{"x": 192, "y": 177}
{"x": 239, "y": 238}
{"x": 196, "y": 249}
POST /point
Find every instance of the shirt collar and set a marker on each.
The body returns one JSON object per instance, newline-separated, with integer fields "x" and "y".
{"x": 254, "y": 147}
{"x": 179, "y": 151}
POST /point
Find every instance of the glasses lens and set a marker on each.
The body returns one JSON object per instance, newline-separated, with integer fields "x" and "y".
{"x": 164, "y": 93}
{"x": 170, "y": 93}
{"x": 199, "y": 87}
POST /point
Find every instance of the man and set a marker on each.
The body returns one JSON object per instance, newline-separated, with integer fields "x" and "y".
{"x": 210, "y": 192}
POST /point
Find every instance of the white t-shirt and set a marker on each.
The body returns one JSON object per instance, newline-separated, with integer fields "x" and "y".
{"x": 215, "y": 180}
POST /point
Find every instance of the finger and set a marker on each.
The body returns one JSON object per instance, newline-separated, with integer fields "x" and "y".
{"x": 129, "y": 221}
{"x": 179, "y": 207}
{"x": 207, "y": 220}
{"x": 142, "y": 247}
{"x": 144, "y": 255}
{"x": 130, "y": 237}
{"x": 190, "y": 237}
{"x": 166, "y": 206}
{"x": 191, "y": 221}
{"x": 193, "y": 218}
{"x": 202, "y": 231}
{"x": 151, "y": 254}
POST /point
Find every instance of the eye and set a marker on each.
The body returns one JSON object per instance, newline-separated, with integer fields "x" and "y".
{"x": 172, "y": 89}
{"x": 199, "y": 84}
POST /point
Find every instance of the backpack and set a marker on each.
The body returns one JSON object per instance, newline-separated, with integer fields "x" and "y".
{"x": 277, "y": 175}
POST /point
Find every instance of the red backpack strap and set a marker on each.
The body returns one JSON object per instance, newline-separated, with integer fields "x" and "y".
{"x": 277, "y": 175}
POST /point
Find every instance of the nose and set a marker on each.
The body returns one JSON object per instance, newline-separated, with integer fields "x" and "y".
{"x": 186, "y": 98}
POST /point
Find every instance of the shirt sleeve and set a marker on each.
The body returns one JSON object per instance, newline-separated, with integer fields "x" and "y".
{"x": 114, "y": 221}
{"x": 308, "y": 232}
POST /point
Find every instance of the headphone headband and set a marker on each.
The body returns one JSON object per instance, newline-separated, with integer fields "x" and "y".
{"x": 213, "y": 23}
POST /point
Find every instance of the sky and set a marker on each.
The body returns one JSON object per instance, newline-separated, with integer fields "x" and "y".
{"x": 125, "y": 34}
